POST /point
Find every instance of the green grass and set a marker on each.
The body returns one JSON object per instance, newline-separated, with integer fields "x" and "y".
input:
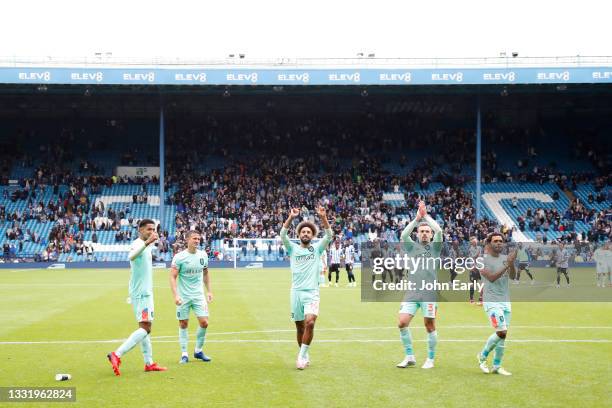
{"x": 353, "y": 354}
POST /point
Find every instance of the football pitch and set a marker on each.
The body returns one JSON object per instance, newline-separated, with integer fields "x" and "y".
{"x": 66, "y": 321}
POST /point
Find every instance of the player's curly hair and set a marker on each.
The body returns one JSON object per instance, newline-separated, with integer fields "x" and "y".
{"x": 308, "y": 224}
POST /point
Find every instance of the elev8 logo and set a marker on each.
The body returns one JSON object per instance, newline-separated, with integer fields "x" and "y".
{"x": 35, "y": 76}
{"x": 453, "y": 76}
{"x": 499, "y": 76}
{"x": 554, "y": 76}
{"x": 354, "y": 77}
{"x": 87, "y": 76}
{"x": 402, "y": 77}
{"x": 303, "y": 77}
{"x": 139, "y": 76}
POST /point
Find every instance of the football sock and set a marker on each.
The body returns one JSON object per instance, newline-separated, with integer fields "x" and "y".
{"x": 490, "y": 345}
{"x": 406, "y": 338}
{"x": 200, "y": 336}
{"x": 147, "y": 350}
{"x": 183, "y": 339}
{"x": 432, "y": 340}
{"x": 304, "y": 351}
{"x": 499, "y": 352}
{"x": 135, "y": 338}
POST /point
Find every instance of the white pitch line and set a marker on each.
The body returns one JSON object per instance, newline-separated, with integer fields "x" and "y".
{"x": 159, "y": 339}
{"x": 318, "y": 341}
{"x": 453, "y": 327}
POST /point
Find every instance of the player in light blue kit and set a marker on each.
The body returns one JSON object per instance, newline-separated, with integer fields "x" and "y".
{"x": 498, "y": 268}
{"x": 190, "y": 268}
{"x": 305, "y": 261}
{"x": 603, "y": 258}
{"x": 428, "y": 250}
{"x": 141, "y": 296}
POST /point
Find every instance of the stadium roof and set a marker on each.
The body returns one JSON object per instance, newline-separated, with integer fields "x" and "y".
{"x": 507, "y": 61}
{"x": 339, "y": 71}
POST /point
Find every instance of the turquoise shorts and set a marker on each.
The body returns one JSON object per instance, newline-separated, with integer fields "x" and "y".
{"x": 430, "y": 309}
{"x": 499, "y": 314}
{"x": 603, "y": 268}
{"x": 143, "y": 308}
{"x": 199, "y": 306}
{"x": 304, "y": 302}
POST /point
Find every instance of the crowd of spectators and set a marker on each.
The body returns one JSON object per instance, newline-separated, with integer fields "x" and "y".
{"x": 542, "y": 220}
{"x": 71, "y": 213}
{"x": 251, "y": 200}
{"x": 269, "y": 165}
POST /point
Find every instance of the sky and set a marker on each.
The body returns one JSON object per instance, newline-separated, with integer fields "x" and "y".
{"x": 309, "y": 29}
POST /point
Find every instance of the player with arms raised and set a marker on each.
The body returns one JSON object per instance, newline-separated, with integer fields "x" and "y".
{"x": 497, "y": 270}
{"x": 305, "y": 261}
{"x": 427, "y": 249}
{"x": 141, "y": 296}
{"x": 190, "y": 269}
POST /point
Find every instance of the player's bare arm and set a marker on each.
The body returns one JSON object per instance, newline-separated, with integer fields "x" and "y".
{"x": 293, "y": 213}
{"x": 173, "y": 277}
{"x": 135, "y": 253}
{"x": 209, "y": 293}
{"x": 323, "y": 215}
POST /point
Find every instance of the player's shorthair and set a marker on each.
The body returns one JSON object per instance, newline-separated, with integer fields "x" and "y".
{"x": 144, "y": 222}
{"x": 423, "y": 224}
{"x": 308, "y": 224}
{"x": 495, "y": 234}
{"x": 190, "y": 233}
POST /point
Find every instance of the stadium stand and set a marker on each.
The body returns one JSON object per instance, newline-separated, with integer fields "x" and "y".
{"x": 60, "y": 202}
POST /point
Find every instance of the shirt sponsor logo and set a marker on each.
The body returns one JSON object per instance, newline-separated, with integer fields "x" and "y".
{"x": 303, "y": 258}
